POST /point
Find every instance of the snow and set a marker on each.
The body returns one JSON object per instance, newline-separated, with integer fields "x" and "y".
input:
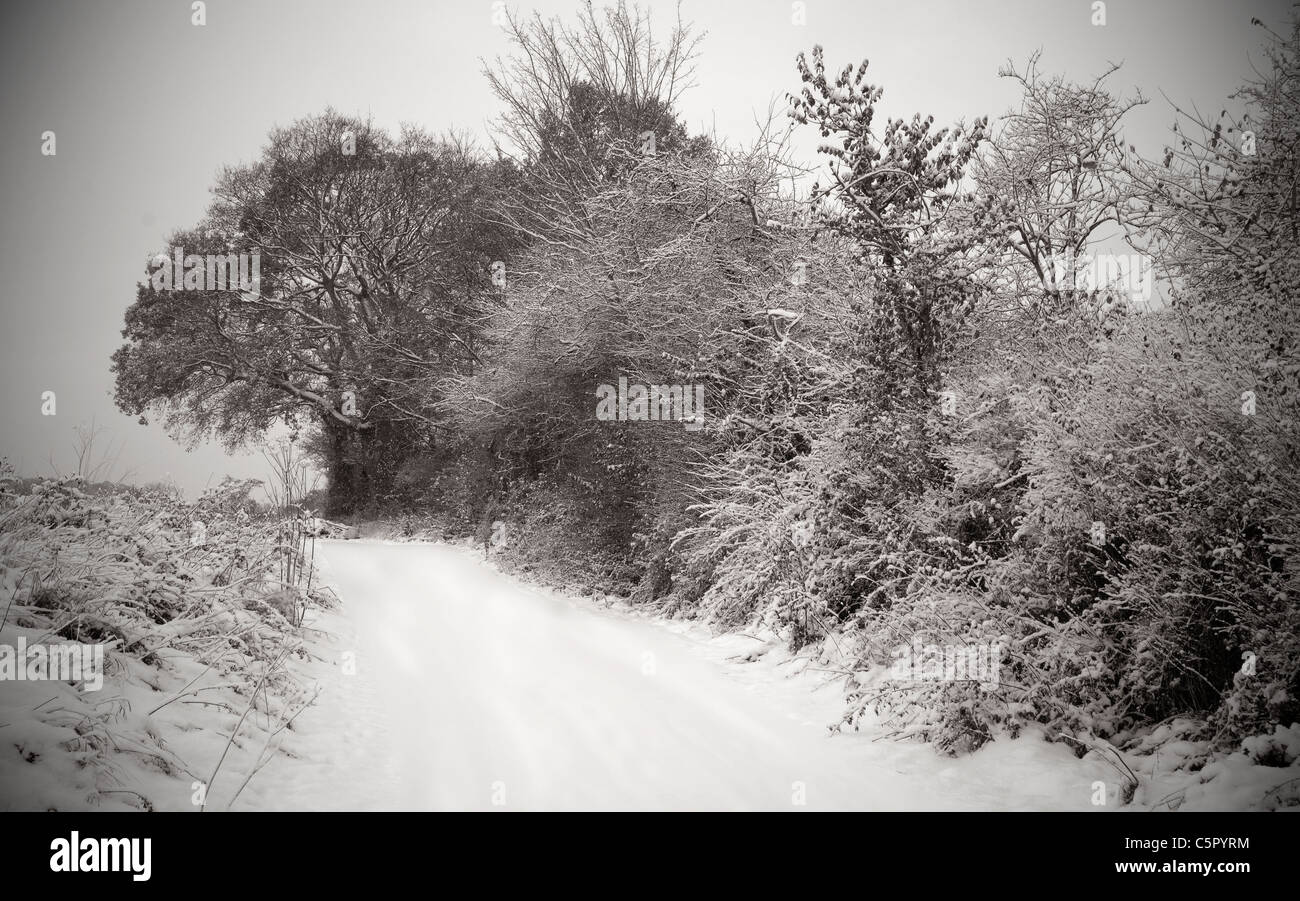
{"x": 443, "y": 684}
{"x": 472, "y": 691}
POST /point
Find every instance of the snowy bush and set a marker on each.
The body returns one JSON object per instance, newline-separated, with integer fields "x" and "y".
{"x": 201, "y": 626}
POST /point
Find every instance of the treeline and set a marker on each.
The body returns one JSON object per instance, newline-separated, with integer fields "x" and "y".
{"x": 1003, "y": 383}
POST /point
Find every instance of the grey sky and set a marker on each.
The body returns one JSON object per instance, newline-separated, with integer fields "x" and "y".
{"x": 147, "y": 107}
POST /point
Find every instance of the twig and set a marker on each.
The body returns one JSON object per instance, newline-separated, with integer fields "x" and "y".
{"x": 274, "y": 665}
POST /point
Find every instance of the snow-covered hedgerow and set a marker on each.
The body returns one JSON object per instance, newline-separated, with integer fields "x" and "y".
{"x": 937, "y": 413}
{"x": 196, "y": 631}
{"x": 1102, "y": 485}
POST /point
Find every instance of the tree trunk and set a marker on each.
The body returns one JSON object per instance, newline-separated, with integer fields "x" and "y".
{"x": 349, "y": 482}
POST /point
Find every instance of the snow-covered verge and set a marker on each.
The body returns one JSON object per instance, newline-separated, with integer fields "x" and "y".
{"x": 197, "y": 638}
{"x": 441, "y": 683}
{"x": 1160, "y": 770}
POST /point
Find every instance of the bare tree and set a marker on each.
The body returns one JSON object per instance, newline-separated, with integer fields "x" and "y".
{"x": 573, "y": 96}
{"x": 293, "y": 477}
{"x": 94, "y": 462}
{"x": 1056, "y": 168}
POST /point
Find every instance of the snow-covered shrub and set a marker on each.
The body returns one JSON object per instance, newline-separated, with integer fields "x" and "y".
{"x": 187, "y": 619}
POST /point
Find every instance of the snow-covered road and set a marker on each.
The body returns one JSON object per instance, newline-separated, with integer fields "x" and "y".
{"x": 452, "y": 686}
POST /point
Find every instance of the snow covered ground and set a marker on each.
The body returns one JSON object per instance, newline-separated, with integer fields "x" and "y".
{"x": 448, "y": 685}
{"x": 442, "y": 684}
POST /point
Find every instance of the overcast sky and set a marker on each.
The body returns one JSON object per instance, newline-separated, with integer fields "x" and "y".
{"x": 147, "y": 107}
